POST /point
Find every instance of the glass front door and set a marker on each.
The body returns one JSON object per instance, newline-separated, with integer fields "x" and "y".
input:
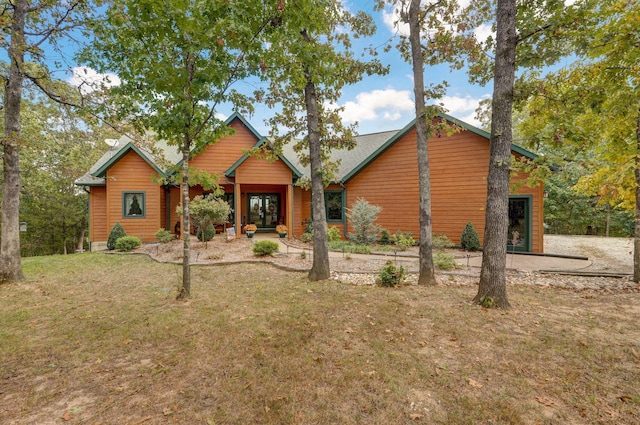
{"x": 264, "y": 210}
{"x": 519, "y": 237}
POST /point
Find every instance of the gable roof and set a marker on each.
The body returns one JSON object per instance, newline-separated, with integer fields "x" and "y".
{"x": 368, "y": 147}
{"x": 400, "y": 134}
{"x": 171, "y": 154}
{"x": 231, "y": 171}
{"x": 102, "y": 171}
{"x": 228, "y": 121}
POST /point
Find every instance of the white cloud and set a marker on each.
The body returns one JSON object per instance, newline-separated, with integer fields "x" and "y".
{"x": 388, "y": 104}
{"x": 88, "y": 80}
{"x": 483, "y": 32}
{"x": 471, "y": 119}
{"x": 457, "y": 104}
{"x": 463, "y": 107}
{"x": 391, "y": 18}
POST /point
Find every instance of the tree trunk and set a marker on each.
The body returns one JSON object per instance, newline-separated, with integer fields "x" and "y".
{"x": 636, "y": 233}
{"x": 320, "y": 269}
{"x": 10, "y": 261}
{"x": 607, "y": 224}
{"x": 492, "y": 290}
{"x": 185, "y": 291}
{"x": 80, "y": 246}
{"x": 427, "y": 274}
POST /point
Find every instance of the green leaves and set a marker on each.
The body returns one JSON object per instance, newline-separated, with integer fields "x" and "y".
{"x": 586, "y": 114}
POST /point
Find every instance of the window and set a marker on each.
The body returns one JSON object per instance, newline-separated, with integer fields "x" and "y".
{"x": 133, "y": 205}
{"x": 333, "y": 204}
{"x": 230, "y": 198}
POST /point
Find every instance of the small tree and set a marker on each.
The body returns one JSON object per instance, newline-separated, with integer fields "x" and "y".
{"x": 469, "y": 239}
{"x": 363, "y": 216}
{"x": 390, "y": 275}
{"x": 207, "y": 212}
{"x": 117, "y": 232}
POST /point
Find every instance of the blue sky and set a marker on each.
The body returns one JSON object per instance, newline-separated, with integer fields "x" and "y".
{"x": 383, "y": 103}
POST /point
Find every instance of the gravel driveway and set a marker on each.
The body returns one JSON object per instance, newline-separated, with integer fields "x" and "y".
{"x": 605, "y": 254}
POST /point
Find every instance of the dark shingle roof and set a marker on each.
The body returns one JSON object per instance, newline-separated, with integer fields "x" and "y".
{"x": 367, "y": 148}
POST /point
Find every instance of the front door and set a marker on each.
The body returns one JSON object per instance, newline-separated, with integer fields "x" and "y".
{"x": 264, "y": 209}
{"x": 519, "y": 237}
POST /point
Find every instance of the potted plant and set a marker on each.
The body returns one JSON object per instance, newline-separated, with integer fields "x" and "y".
{"x": 282, "y": 230}
{"x": 250, "y": 229}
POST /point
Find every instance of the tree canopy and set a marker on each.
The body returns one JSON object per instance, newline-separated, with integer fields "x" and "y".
{"x": 310, "y": 60}
{"x": 178, "y": 60}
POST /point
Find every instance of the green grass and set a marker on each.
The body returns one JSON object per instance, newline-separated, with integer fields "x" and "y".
{"x": 97, "y": 338}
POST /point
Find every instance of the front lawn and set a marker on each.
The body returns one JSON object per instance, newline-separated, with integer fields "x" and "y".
{"x": 100, "y": 339}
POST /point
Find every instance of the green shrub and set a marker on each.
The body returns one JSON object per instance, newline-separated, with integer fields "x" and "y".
{"x": 127, "y": 243}
{"x": 362, "y": 217}
{"x": 207, "y": 234}
{"x": 117, "y": 231}
{"x": 164, "y": 236}
{"x": 308, "y": 226}
{"x": 306, "y": 237}
{"x": 444, "y": 261}
{"x": 338, "y": 245}
{"x": 265, "y": 247}
{"x": 390, "y": 275}
{"x": 469, "y": 239}
{"x": 404, "y": 240}
{"x": 441, "y": 241}
{"x": 333, "y": 234}
{"x": 385, "y": 237}
{"x": 359, "y": 249}
{"x": 347, "y": 246}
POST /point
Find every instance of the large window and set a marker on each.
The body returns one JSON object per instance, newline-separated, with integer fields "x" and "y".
{"x": 133, "y": 205}
{"x": 333, "y": 201}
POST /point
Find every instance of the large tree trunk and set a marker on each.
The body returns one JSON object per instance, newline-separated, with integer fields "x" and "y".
{"x": 320, "y": 268}
{"x": 427, "y": 274}
{"x": 10, "y": 262}
{"x": 636, "y": 234}
{"x": 492, "y": 290}
{"x": 185, "y": 291}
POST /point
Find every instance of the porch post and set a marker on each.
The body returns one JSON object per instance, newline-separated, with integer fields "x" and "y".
{"x": 289, "y": 210}
{"x": 238, "y": 207}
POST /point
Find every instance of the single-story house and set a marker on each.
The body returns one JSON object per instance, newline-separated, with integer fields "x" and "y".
{"x": 382, "y": 168}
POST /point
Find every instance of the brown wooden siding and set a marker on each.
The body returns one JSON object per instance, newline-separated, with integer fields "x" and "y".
{"x": 257, "y": 171}
{"x": 219, "y": 156}
{"x": 458, "y": 171}
{"x": 131, "y": 174}
{"x": 298, "y": 212}
{"x": 98, "y": 229}
{"x": 175, "y": 199}
{"x": 303, "y": 209}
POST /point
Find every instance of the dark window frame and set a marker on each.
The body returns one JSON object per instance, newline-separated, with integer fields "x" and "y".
{"x": 127, "y": 203}
{"x": 327, "y": 195}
